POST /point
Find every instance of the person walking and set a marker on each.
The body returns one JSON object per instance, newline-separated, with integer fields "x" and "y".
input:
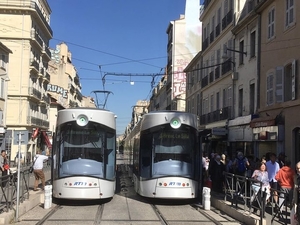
{"x": 285, "y": 179}
{"x": 38, "y": 172}
{"x": 273, "y": 168}
{"x": 241, "y": 164}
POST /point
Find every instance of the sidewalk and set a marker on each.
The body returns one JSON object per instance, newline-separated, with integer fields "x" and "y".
{"x": 35, "y": 198}
{"x": 244, "y": 216}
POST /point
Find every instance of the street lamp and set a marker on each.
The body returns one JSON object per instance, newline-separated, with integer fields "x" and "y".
{"x": 231, "y": 50}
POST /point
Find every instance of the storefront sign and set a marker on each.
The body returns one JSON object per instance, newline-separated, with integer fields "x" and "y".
{"x": 262, "y": 123}
{"x": 221, "y": 131}
{"x": 58, "y": 90}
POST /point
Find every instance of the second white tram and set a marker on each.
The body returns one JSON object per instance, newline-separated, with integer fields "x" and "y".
{"x": 165, "y": 155}
{"x": 84, "y": 154}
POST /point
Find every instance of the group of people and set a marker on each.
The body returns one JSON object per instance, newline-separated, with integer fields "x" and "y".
{"x": 38, "y": 163}
{"x": 277, "y": 177}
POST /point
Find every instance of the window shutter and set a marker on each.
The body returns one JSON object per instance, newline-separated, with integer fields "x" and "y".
{"x": 279, "y": 84}
{"x": 294, "y": 64}
{"x": 270, "y": 89}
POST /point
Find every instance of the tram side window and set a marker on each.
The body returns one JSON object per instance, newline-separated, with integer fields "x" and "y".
{"x": 146, "y": 152}
{"x": 110, "y": 154}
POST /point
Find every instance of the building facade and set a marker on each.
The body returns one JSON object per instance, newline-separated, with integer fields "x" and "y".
{"x": 184, "y": 42}
{"x": 278, "y": 125}
{"x": 4, "y": 79}
{"x": 64, "y": 88}
{"x": 25, "y": 30}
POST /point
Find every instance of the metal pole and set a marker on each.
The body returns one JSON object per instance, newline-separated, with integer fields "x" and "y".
{"x": 18, "y": 181}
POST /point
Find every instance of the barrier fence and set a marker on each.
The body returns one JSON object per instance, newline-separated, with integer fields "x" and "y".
{"x": 251, "y": 196}
{"x": 9, "y": 187}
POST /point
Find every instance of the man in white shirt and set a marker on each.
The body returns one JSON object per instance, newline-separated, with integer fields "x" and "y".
{"x": 38, "y": 172}
{"x": 273, "y": 168}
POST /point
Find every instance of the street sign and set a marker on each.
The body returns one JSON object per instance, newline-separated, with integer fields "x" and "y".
{"x": 24, "y": 137}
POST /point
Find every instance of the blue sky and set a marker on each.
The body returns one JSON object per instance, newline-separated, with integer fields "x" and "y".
{"x": 124, "y": 37}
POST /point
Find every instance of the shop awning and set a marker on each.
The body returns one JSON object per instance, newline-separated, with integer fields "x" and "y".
{"x": 263, "y": 122}
{"x": 46, "y": 140}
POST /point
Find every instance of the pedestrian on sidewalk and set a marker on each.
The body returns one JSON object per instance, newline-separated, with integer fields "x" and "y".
{"x": 285, "y": 179}
{"x": 241, "y": 164}
{"x": 261, "y": 175}
{"x": 38, "y": 172}
{"x": 216, "y": 173}
{"x": 273, "y": 168}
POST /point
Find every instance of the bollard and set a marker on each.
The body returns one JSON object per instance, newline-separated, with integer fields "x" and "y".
{"x": 50, "y": 195}
{"x": 47, "y": 203}
{"x": 206, "y": 198}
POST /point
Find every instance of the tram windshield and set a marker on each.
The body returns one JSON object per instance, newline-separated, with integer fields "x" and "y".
{"x": 171, "y": 151}
{"x": 88, "y": 150}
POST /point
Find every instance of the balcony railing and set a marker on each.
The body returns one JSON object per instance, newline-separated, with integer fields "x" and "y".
{"x": 45, "y": 99}
{"x": 34, "y": 92}
{"x": 215, "y": 116}
{"x": 217, "y": 72}
{"x": 227, "y": 66}
{"x": 34, "y": 64}
{"x": 211, "y": 77}
{"x": 35, "y": 121}
{"x": 205, "y": 44}
{"x": 218, "y": 30}
{"x": 227, "y": 19}
{"x": 46, "y": 76}
{"x": 212, "y": 36}
{"x": 204, "y": 82}
{"x": 36, "y": 7}
{"x": 46, "y": 50}
{"x": 41, "y": 71}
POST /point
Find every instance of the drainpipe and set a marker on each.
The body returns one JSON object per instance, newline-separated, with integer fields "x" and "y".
{"x": 258, "y": 61}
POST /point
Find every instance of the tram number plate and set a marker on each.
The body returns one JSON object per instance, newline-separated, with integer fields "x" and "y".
{"x": 174, "y": 184}
{"x": 81, "y": 184}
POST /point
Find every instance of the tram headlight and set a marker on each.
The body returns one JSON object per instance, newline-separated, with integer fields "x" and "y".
{"x": 175, "y": 123}
{"x": 82, "y": 120}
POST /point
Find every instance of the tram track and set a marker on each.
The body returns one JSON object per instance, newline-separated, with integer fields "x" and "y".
{"x": 99, "y": 214}
{"x": 159, "y": 215}
{"x": 48, "y": 215}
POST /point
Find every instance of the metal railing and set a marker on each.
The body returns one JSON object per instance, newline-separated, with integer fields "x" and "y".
{"x": 9, "y": 187}
{"x": 249, "y": 195}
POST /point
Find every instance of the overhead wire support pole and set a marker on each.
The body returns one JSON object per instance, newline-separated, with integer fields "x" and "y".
{"x": 132, "y": 75}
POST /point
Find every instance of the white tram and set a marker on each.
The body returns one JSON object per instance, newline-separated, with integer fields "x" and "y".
{"x": 84, "y": 154}
{"x": 166, "y": 155}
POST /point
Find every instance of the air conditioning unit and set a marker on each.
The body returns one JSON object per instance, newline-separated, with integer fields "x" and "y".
{"x": 235, "y": 76}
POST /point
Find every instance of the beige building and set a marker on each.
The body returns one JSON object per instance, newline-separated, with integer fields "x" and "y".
{"x": 4, "y": 79}
{"x": 158, "y": 100}
{"x": 210, "y": 84}
{"x": 278, "y": 126}
{"x": 65, "y": 87}
{"x": 184, "y": 42}
{"x": 25, "y": 30}
{"x": 222, "y": 78}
